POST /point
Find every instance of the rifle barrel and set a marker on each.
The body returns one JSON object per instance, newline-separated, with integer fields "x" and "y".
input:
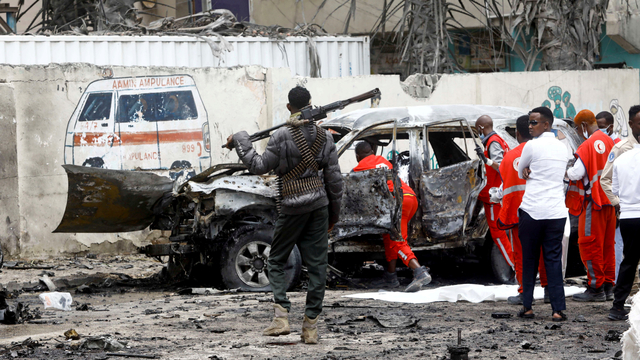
{"x": 327, "y": 108}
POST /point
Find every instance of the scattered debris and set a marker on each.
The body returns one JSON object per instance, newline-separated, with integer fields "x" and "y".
{"x": 17, "y": 265}
{"x": 580, "y": 318}
{"x": 394, "y": 321}
{"x": 613, "y": 335}
{"x": 72, "y": 334}
{"x": 50, "y": 285}
{"x": 84, "y": 307}
{"x": 56, "y": 300}
{"x": 132, "y": 355}
{"x": 345, "y": 320}
{"x": 206, "y": 291}
{"x": 84, "y": 289}
{"x": 501, "y": 315}
{"x": 553, "y": 327}
{"x": 169, "y": 316}
{"x": 525, "y": 345}
{"x": 212, "y": 315}
{"x": 106, "y": 343}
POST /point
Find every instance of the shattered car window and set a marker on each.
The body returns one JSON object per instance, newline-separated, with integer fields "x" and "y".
{"x": 447, "y": 152}
{"x": 164, "y": 106}
{"x": 97, "y": 107}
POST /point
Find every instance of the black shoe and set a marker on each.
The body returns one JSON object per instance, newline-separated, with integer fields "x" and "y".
{"x": 523, "y": 314}
{"x": 547, "y": 299}
{"x": 515, "y": 300}
{"x": 563, "y": 316}
{"x": 618, "y": 314}
{"x": 608, "y": 291}
{"x": 591, "y": 295}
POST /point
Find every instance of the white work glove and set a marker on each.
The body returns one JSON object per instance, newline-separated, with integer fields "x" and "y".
{"x": 495, "y": 194}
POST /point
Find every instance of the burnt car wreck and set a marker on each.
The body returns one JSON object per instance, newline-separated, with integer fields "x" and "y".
{"x": 222, "y": 219}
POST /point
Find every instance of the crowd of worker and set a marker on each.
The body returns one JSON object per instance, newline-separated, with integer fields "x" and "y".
{"x": 528, "y": 192}
{"x": 529, "y": 189}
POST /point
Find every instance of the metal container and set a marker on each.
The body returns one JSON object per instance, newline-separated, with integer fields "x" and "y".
{"x": 340, "y": 56}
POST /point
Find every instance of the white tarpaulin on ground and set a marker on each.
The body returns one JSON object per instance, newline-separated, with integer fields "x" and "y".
{"x": 631, "y": 337}
{"x": 464, "y": 292}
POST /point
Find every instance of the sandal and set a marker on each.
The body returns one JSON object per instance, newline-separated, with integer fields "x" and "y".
{"x": 563, "y": 316}
{"x": 523, "y": 314}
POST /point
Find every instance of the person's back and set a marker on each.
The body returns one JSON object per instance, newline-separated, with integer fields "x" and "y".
{"x": 282, "y": 155}
{"x": 308, "y": 207}
{"x": 546, "y": 182}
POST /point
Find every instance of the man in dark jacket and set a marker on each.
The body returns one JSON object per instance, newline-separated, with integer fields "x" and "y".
{"x": 309, "y": 206}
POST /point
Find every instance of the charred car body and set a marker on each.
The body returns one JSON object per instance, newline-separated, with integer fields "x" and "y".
{"x": 223, "y": 218}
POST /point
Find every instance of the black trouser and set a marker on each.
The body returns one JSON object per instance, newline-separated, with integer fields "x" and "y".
{"x": 309, "y": 232}
{"x": 630, "y": 230}
{"x": 548, "y": 235}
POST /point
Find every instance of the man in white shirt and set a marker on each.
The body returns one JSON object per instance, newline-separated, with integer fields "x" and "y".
{"x": 543, "y": 212}
{"x": 625, "y": 185}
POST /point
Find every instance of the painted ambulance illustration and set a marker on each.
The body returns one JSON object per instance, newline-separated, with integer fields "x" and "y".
{"x": 148, "y": 123}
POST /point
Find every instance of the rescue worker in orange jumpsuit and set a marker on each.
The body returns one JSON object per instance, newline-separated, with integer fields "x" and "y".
{"x": 367, "y": 160}
{"x": 511, "y": 195}
{"x": 597, "y": 221}
{"x": 495, "y": 148}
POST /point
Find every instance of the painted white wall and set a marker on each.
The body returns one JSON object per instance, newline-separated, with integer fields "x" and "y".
{"x": 36, "y": 103}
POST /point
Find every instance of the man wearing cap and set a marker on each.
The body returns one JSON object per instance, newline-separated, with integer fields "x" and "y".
{"x": 597, "y": 217}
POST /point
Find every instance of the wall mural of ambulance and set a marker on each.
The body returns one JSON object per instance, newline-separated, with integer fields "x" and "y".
{"x": 140, "y": 123}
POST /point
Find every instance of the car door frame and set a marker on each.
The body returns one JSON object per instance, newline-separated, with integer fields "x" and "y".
{"x": 471, "y": 200}
{"x": 396, "y": 213}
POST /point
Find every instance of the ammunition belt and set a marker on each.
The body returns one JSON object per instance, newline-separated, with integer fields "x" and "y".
{"x": 290, "y": 183}
{"x": 308, "y": 155}
{"x": 301, "y": 186}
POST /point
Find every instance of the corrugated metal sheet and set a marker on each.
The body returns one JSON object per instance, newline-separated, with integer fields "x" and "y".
{"x": 339, "y": 56}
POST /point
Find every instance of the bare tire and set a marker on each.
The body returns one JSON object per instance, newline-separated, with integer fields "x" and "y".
{"x": 501, "y": 269}
{"x": 243, "y": 262}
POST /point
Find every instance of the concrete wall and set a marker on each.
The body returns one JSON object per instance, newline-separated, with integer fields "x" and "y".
{"x": 36, "y": 103}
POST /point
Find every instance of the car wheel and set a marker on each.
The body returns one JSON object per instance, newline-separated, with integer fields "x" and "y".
{"x": 501, "y": 269}
{"x": 243, "y": 262}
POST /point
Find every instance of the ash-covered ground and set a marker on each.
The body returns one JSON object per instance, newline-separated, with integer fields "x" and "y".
{"x": 120, "y": 303}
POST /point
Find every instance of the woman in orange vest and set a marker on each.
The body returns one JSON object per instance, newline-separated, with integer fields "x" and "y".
{"x": 597, "y": 218}
{"x": 393, "y": 250}
{"x": 512, "y": 192}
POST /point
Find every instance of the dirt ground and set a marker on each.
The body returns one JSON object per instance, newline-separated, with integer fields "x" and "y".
{"x": 126, "y": 302}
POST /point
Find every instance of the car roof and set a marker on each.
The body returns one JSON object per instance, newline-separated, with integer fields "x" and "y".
{"x": 415, "y": 116}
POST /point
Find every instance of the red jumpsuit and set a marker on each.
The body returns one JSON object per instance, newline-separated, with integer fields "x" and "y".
{"x": 491, "y": 210}
{"x": 513, "y": 190}
{"x": 597, "y": 221}
{"x": 395, "y": 249}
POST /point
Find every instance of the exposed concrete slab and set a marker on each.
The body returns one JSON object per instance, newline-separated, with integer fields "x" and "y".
{"x": 623, "y": 22}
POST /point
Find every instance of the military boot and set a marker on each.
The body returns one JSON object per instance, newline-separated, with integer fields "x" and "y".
{"x": 388, "y": 281}
{"x": 310, "y": 330}
{"x": 591, "y": 295}
{"x": 421, "y": 277}
{"x": 280, "y": 324}
{"x": 608, "y": 291}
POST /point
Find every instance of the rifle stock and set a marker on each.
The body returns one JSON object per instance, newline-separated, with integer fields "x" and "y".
{"x": 317, "y": 113}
